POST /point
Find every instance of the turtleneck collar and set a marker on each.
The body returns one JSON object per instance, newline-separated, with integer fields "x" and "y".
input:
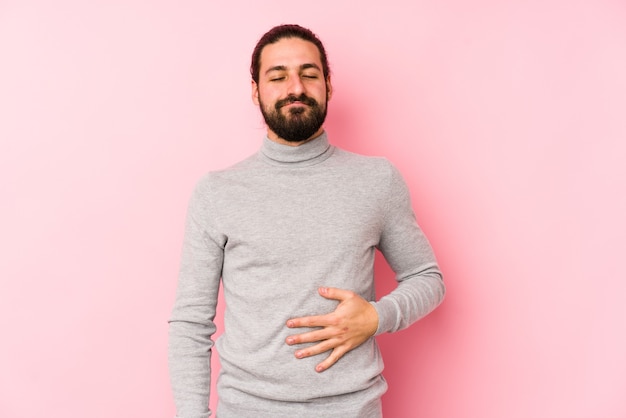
{"x": 309, "y": 153}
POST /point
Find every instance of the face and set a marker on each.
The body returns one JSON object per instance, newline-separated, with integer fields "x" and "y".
{"x": 292, "y": 92}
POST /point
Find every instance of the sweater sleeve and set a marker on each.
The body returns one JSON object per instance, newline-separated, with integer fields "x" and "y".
{"x": 191, "y": 325}
{"x": 405, "y": 247}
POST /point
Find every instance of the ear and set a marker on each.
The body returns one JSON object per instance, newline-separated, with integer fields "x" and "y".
{"x": 255, "y": 93}
{"x": 329, "y": 88}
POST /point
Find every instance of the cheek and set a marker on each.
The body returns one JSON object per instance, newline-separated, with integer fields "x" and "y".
{"x": 263, "y": 98}
{"x": 269, "y": 96}
{"x": 322, "y": 94}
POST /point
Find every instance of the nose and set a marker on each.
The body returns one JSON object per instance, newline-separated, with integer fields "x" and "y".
{"x": 295, "y": 86}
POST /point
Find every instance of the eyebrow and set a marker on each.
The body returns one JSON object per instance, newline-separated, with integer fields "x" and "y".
{"x": 284, "y": 68}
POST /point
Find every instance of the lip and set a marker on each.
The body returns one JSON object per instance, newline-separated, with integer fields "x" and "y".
{"x": 297, "y": 103}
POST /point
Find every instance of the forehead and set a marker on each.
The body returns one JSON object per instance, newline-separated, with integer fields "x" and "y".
{"x": 290, "y": 52}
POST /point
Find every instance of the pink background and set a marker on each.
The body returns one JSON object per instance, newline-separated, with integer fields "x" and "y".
{"x": 507, "y": 119}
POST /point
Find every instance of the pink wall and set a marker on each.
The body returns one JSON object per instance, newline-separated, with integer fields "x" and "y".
{"x": 507, "y": 119}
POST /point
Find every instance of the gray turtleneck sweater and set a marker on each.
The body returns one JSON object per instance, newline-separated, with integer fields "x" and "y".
{"x": 274, "y": 228}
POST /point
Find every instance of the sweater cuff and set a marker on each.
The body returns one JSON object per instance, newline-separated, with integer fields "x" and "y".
{"x": 386, "y": 320}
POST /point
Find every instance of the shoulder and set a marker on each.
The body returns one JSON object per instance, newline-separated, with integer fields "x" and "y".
{"x": 369, "y": 166}
{"x": 215, "y": 182}
{"x": 242, "y": 168}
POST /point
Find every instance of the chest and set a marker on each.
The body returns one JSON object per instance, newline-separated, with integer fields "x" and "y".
{"x": 287, "y": 214}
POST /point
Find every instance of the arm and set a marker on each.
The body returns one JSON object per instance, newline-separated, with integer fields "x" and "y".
{"x": 407, "y": 250}
{"x": 191, "y": 322}
{"x": 420, "y": 288}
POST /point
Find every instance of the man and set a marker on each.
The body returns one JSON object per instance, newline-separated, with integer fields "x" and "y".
{"x": 292, "y": 233}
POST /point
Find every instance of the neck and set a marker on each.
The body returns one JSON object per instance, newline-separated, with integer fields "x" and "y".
{"x": 309, "y": 153}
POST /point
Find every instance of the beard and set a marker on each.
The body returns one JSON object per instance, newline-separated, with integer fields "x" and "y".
{"x": 297, "y": 125}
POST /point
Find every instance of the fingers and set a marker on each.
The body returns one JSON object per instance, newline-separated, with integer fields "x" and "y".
{"x": 314, "y": 350}
{"x": 312, "y": 321}
{"x": 323, "y": 320}
{"x": 327, "y": 339}
{"x": 309, "y": 337}
{"x": 334, "y": 356}
{"x": 336, "y": 352}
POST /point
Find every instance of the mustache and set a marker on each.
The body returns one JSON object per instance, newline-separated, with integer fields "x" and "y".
{"x": 303, "y": 98}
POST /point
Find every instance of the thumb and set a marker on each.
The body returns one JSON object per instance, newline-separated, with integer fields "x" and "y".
{"x": 335, "y": 293}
